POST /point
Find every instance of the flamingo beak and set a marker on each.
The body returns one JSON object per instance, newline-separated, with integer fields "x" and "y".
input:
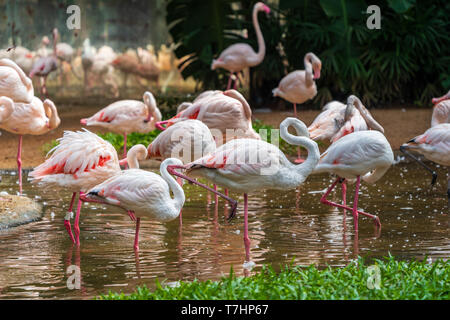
{"x": 266, "y": 9}
{"x": 123, "y": 162}
{"x": 47, "y": 124}
{"x": 316, "y": 73}
{"x": 438, "y": 100}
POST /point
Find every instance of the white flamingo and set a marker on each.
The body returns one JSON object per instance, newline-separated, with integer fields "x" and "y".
{"x": 14, "y": 83}
{"x": 365, "y": 154}
{"x": 144, "y": 193}
{"x": 246, "y": 165}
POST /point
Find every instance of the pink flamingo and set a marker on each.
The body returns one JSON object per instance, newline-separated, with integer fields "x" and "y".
{"x": 144, "y": 193}
{"x": 441, "y": 110}
{"x": 239, "y": 56}
{"x": 434, "y": 144}
{"x": 79, "y": 162}
{"x": 14, "y": 83}
{"x": 246, "y": 165}
{"x": 365, "y": 154}
{"x": 35, "y": 118}
{"x": 223, "y": 111}
{"x": 299, "y": 86}
{"x": 126, "y": 116}
{"x": 45, "y": 65}
{"x": 337, "y": 120}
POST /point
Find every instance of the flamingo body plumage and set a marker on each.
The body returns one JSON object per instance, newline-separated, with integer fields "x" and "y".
{"x": 14, "y": 83}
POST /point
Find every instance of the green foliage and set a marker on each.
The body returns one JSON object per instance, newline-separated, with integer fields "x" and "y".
{"x": 201, "y": 29}
{"x": 132, "y": 139}
{"x": 406, "y": 61}
{"x": 416, "y": 280}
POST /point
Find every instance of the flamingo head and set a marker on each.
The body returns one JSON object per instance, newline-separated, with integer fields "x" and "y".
{"x": 45, "y": 40}
{"x": 440, "y": 99}
{"x": 263, "y": 7}
{"x": 317, "y": 66}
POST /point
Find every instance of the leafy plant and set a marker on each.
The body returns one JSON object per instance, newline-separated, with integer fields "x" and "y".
{"x": 415, "y": 280}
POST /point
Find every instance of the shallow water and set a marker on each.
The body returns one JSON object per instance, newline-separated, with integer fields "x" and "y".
{"x": 284, "y": 227}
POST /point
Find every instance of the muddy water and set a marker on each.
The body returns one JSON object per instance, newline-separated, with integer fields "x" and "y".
{"x": 285, "y": 227}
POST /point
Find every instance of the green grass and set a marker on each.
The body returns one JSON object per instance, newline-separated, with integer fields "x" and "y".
{"x": 416, "y": 280}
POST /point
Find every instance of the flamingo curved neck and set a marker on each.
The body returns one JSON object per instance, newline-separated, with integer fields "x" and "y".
{"x": 53, "y": 118}
{"x": 176, "y": 189}
{"x": 313, "y": 150}
{"x": 259, "y": 57}
{"x": 308, "y": 70}
{"x": 371, "y": 122}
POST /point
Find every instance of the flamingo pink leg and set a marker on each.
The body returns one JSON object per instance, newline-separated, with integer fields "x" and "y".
{"x": 246, "y": 238}
{"x": 136, "y": 235}
{"x": 355, "y": 203}
{"x": 131, "y": 215}
{"x": 325, "y": 201}
{"x": 229, "y": 81}
{"x": 125, "y": 148}
{"x": 344, "y": 196}
{"x": 67, "y": 221}
{"x": 76, "y": 224}
{"x": 235, "y": 81}
{"x": 216, "y": 198}
{"x": 19, "y": 163}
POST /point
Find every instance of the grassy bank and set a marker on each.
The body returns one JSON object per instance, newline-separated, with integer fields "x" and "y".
{"x": 398, "y": 280}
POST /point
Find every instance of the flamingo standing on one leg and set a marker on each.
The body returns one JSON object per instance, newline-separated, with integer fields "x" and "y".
{"x": 126, "y": 116}
{"x": 441, "y": 110}
{"x": 79, "y": 162}
{"x": 239, "y": 56}
{"x": 144, "y": 193}
{"x": 245, "y": 165}
{"x": 14, "y": 83}
{"x": 299, "y": 86}
{"x": 365, "y": 154}
{"x": 434, "y": 144}
{"x": 45, "y": 65}
{"x": 35, "y": 118}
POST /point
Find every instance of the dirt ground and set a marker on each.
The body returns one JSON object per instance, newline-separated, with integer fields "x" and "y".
{"x": 400, "y": 125}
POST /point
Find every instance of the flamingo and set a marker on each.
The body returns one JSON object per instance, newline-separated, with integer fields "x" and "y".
{"x": 126, "y": 116}
{"x": 14, "y": 83}
{"x": 441, "y": 110}
{"x": 299, "y": 86}
{"x": 365, "y": 154}
{"x": 239, "y": 56}
{"x": 222, "y": 111}
{"x": 35, "y": 118}
{"x": 79, "y": 162}
{"x": 144, "y": 193}
{"x": 246, "y": 165}
{"x": 434, "y": 144}
{"x": 337, "y": 120}
{"x": 45, "y": 65}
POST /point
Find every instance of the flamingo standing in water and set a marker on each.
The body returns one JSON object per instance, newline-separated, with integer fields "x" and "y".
{"x": 239, "y": 56}
{"x": 441, "y": 110}
{"x": 299, "y": 86}
{"x": 45, "y": 65}
{"x": 434, "y": 144}
{"x": 337, "y": 120}
{"x": 35, "y": 118}
{"x": 14, "y": 83}
{"x": 79, "y": 162}
{"x": 223, "y": 111}
{"x": 127, "y": 116}
{"x": 246, "y": 165}
{"x": 365, "y": 154}
{"x": 144, "y": 193}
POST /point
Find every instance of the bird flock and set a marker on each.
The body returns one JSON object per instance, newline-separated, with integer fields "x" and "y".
{"x": 211, "y": 138}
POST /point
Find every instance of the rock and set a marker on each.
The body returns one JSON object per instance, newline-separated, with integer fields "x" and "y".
{"x": 17, "y": 210}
